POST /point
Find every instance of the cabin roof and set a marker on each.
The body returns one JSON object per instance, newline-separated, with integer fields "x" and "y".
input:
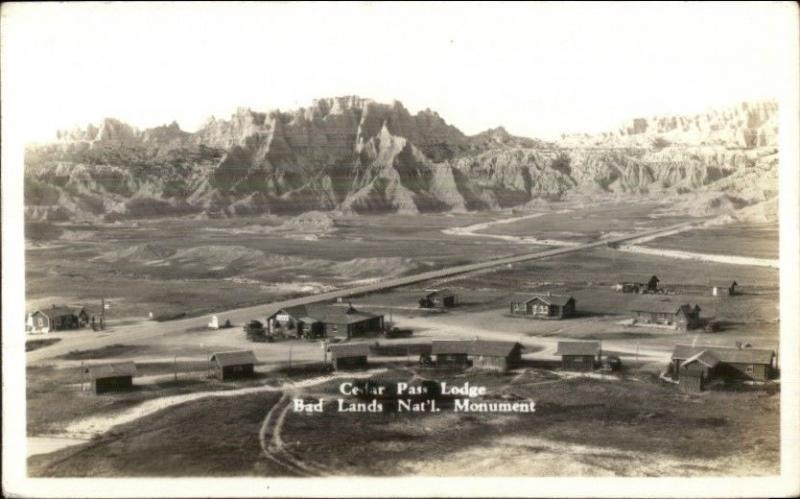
{"x": 578, "y": 348}
{"x": 111, "y": 370}
{"x": 493, "y": 348}
{"x": 349, "y": 350}
{"x": 339, "y": 315}
{"x": 726, "y": 354}
{"x": 444, "y": 292}
{"x": 550, "y": 299}
{"x": 705, "y": 357}
{"x": 451, "y": 347}
{"x": 58, "y": 311}
{"x": 234, "y": 358}
{"x": 658, "y": 306}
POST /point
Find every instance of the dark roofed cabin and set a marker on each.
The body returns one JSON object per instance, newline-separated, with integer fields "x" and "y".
{"x": 696, "y": 371}
{"x": 347, "y": 322}
{"x": 439, "y": 298}
{"x": 349, "y": 356}
{"x": 112, "y": 377}
{"x": 233, "y": 365}
{"x": 666, "y": 313}
{"x": 451, "y": 353}
{"x": 495, "y": 355}
{"x": 579, "y": 355}
{"x": 544, "y": 306}
{"x": 722, "y": 288}
{"x": 58, "y": 318}
{"x": 734, "y": 363}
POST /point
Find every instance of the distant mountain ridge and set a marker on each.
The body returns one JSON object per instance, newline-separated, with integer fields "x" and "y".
{"x": 357, "y": 155}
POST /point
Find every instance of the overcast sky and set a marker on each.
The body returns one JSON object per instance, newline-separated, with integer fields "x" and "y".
{"x": 537, "y": 69}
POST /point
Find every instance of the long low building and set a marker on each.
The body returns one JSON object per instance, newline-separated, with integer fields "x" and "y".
{"x": 324, "y": 321}
{"x": 112, "y": 377}
{"x": 349, "y": 356}
{"x": 233, "y": 365}
{"x": 696, "y": 366}
{"x": 666, "y": 313}
{"x": 479, "y": 354}
{"x": 579, "y": 355}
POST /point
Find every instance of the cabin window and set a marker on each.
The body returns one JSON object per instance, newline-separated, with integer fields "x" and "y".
{"x": 748, "y": 369}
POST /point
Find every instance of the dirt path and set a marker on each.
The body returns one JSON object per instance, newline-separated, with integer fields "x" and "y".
{"x": 703, "y": 257}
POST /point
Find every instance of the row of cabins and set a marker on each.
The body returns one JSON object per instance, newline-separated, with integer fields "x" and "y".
{"x": 717, "y": 287}
{"x": 450, "y": 354}
{"x": 305, "y": 321}
{"x": 697, "y": 367}
{"x": 58, "y": 318}
{"x": 118, "y": 376}
{"x": 549, "y": 306}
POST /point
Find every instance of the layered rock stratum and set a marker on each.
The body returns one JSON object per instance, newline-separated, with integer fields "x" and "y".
{"x": 355, "y": 155}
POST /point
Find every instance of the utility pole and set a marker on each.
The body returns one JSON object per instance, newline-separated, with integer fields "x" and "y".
{"x": 102, "y": 313}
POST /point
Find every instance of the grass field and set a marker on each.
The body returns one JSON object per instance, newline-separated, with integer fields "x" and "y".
{"x": 640, "y": 427}
{"x": 756, "y": 240}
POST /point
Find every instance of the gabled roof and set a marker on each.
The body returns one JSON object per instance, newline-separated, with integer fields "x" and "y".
{"x": 578, "y": 348}
{"x": 706, "y": 357}
{"x": 349, "y": 350}
{"x": 444, "y": 292}
{"x": 451, "y": 347}
{"x": 236, "y": 358}
{"x": 726, "y": 354}
{"x": 339, "y": 315}
{"x": 98, "y": 371}
{"x": 59, "y": 311}
{"x": 657, "y": 306}
{"x": 549, "y": 299}
{"x": 296, "y": 312}
{"x": 493, "y": 348}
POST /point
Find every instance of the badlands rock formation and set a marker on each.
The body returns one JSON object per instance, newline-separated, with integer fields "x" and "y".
{"x": 357, "y": 155}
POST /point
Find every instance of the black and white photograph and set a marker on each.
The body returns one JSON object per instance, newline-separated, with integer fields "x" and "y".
{"x": 400, "y": 249}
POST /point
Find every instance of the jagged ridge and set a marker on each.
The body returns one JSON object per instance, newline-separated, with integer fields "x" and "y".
{"x": 354, "y": 154}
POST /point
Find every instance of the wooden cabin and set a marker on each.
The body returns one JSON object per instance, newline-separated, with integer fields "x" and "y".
{"x": 666, "y": 313}
{"x": 695, "y": 372}
{"x": 113, "y": 377}
{"x": 349, "y": 356}
{"x": 544, "y": 306}
{"x": 347, "y": 322}
{"x": 233, "y": 365}
{"x": 495, "y": 355}
{"x": 294, "y": 322}
{"x": 57, "y": 318}
{"x": 451, "y": 353}
{"x": 439, "y": 298}
{"x": 723, "y": 288}
{"x": 753, "y": 364}
{"x": 579, "y": 355}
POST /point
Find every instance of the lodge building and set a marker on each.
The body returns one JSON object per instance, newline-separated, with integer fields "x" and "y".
{"x": 547, "y": 306}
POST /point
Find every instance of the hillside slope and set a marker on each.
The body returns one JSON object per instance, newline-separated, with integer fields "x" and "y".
{"x": 357, "y": 155}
